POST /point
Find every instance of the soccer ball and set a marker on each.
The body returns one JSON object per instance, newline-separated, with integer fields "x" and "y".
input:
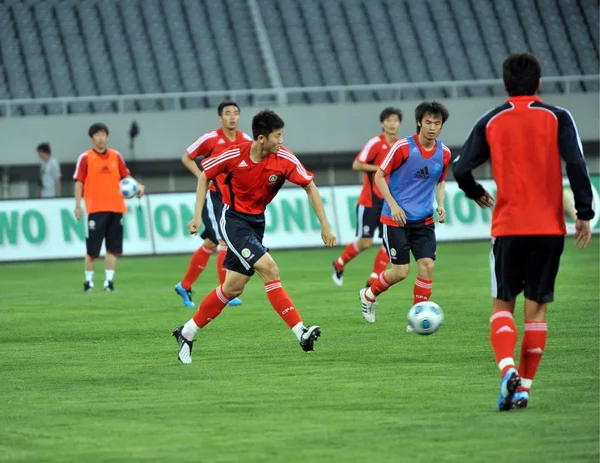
{"x": 129, "y": 187}
{"x": 425, "y": 317}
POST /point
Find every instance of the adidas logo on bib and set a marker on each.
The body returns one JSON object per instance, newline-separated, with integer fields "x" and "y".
{"x": 422, "y": 173}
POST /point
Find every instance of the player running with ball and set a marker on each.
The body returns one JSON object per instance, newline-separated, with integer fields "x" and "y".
{"x": 416, "y": 167}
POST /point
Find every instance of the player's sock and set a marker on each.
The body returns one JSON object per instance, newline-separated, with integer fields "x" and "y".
{"x": 222, "y": 252}
{"x": 532, "y": 349}
{"x": 89, "y": 276}
{"x": 422, "y": 290}
{"x": 380, "y": 285}
{"x": 379, "y": 264}
{"x": 189, "y": 330}
{"x": 110, "y": 275}
{"x": 197, "y": 265}
{"x": 298, "y": 330}
{"x": 210, "y": 308}
{"x": 525, "y": 385}
{"x": 281, "y": 302}
{"x": 350, "y": 252}
{"x": 372, "y": 278}
{"x": 503, "y": 336}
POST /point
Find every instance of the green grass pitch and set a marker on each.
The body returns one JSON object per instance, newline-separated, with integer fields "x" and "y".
{"x": 95, "y": 377}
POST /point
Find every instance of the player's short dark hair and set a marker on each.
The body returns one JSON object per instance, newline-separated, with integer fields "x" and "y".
{"x": 97, "y": 127}
{"x": 266, "y": 122}
{"x": 224, "y": 104}
{"x": 44, "y": 148}
{"x": 390, "y": 111}
{"x": 521, "y": 73}
{"x": 431, "y": 107}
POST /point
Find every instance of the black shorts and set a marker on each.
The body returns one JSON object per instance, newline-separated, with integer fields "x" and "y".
{"x": 243, "y": 234}
{"x": 400, "y": 241}
{"x": 211, "y": 213}
{"x": 104, "y": 226}
{"x": 367, "y": 221}
{"x": 525, "y": 263}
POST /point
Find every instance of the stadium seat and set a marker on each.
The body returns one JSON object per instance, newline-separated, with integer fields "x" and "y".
{"x": 54, "y": 49}
{"x": 13, "y": 65}
{"x": 77, "y": 57}
{"x": 578, "y": 28}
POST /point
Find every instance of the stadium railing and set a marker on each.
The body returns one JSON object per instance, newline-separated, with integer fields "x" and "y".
{"x": 282, "y": 96}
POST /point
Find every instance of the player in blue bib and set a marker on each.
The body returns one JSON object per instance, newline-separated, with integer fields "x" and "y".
{"x": 410, "y": 178}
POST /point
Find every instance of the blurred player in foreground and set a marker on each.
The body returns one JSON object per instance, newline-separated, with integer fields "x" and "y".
{"x": 524, "y": 139}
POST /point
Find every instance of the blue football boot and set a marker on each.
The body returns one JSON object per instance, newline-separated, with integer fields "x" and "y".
{"x": 508, "y": 386}
{"x": 186, "y": 295}
{"x": 521, "y": 399}
{"x": 235, "y": 301}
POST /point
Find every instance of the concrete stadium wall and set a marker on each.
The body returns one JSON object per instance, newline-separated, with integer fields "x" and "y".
{"x": 310, "y": 129}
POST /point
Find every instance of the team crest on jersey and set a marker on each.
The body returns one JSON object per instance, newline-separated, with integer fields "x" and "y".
{"x": 384, "y": 146}
{"x": 436, "y": 167}
{"x": 393, "y": 252}
{"x": 221, "y": 141}
{"x": 272, "y": 178}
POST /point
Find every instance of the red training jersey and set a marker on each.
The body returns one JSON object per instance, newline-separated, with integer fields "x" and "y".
{"x": 373, "y": 153}
{"x": 249, "y": 186}
{"x": 525, "y": 139}
{"x": 205, "y": 146}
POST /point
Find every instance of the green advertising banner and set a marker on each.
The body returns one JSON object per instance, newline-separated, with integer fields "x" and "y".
{"x": 157, "y": 224}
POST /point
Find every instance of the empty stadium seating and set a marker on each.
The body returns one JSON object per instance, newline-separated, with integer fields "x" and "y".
{"x": 61, "y": 48}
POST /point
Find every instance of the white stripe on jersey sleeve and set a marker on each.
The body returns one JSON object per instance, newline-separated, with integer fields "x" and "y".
{"x": 247, "y": 137}
{"x": 78, "y": 165}
{"x": 512, "y": 106}
{"x": 396, "y": 146}
{"x": 293, "y": 159}
{"x": 213, "y": 161}
{"x": 123, "y": 161}
{"x": 362, "y": 156}
{"x": 543, "y": 109}
{"x": 299, "y": 167}
{"x": 446, "y": 149}
{"x": 579, "y": 144}
{"x": 201, "y": 140}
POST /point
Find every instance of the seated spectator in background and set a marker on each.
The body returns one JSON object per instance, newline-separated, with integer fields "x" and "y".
{"x": 49, "y": 184}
